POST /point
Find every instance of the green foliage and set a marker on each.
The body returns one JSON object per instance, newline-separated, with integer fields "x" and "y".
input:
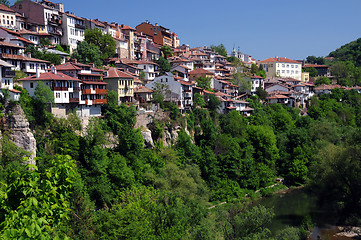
{"x": 44, "y": 55}
{"x": 43, "y": 94}
{"x": 315, "y": 60}
{"x": 87, "y": 53}
{"x": 164, "y": 65}
{"x": 104, "y": 42}
{"x": 238, "y": 222}
{"x": 204, "y": 82}
{"x": 5, "y": 2}
{"x": 220, "y": 49}
{"x": 261, "y": 93}
{"x": 35, "y": 205}
{"x": 348, "y": 52}
{"x": 199, "y": 100}
{"x": 322, "y": 80}
{"x": 313, "y": 71}
{"x": 166, "y": 51}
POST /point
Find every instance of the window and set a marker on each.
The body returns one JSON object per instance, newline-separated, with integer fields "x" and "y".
{"x": 57, "y": 95}
{"x": 31, "y": 66}
{"x": 145, "y": 67}
{"x": 31, "y": 85}
{"x": 288, "y": 66}
{"x": 291, "y": 66}
{"x": 288, "y": 71}
{"x": 283, "y": 65}
{"x": 64, "y": 95}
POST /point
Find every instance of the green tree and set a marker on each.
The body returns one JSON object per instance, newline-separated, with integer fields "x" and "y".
{"x": 164, "y": 65}
{"x": 313, "y": 71}
{"x": 43, "y": 94}
{"x": 220, "y": 49}
{"x": 203, "y": 82}
{"x": 322, "y": 80}
{"x": 261, "y": 93}
{"x": 105, "y": 42}
{"x": 166, "y": 51}
{"x": 87, "y": 53}
{"x": 5, "y": 2}
{"x": 161, "y": 92}
{"x": 199, "y": 100}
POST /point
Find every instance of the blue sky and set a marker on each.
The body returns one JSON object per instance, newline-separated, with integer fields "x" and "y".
{"x": 261, "y": 28}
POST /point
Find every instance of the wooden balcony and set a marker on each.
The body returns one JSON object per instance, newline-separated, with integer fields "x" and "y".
{"x": 101, "y": 91}
{"x": 74, "y": 100}
{"x": 60, "y": 88}
{"x": 88, "y": 91}
{"x": 99, "y": 101}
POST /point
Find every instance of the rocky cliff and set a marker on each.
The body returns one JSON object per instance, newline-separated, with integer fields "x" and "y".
{"x": 17, "y": 126}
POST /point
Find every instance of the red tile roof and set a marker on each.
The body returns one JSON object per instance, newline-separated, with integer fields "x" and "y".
{"x": 201, "y": 71}
{"x": 48, "y": 76}
{"x": 67, "y": 67}
{"x": 315, "y": 66}
{"x": 91, "y": 82}
{"x": 277, "y": 97}
{"x": 255, "y": 76}
{"x": 115, "y": 73}
{"x": 6, "y": 9}
{"x": 279, "y": 59}
{"x": 185, "y": 83}
{"x": 142, "y": 89}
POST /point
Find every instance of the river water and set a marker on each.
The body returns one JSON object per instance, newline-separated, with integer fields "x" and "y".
{"x": 292, "y": 207}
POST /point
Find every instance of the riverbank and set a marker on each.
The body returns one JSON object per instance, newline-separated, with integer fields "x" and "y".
{"x": 336, "y": 233}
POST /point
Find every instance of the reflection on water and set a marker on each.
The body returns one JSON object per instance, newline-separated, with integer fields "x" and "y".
{"x": 293, "y": 207}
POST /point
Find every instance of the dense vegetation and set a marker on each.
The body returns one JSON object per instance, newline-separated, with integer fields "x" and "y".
{"x": 104, "y": 184}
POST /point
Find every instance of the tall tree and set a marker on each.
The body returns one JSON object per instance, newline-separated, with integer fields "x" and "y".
{"x": 105, "y": 42}
{"x": 87, "y": 53}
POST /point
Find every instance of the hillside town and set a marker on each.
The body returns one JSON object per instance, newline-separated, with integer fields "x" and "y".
{"x": 133, "y": 71}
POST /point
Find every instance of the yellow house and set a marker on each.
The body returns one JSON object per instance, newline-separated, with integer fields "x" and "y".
{"x": 122, "y": 83}
{"x": 305, "y": 77}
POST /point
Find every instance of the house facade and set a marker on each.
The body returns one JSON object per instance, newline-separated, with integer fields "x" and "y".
{"x": 282, "y": 67}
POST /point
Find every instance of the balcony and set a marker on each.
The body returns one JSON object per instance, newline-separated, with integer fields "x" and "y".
{"x": 101, "y": 91}
{"x": 99, "y": 101}
{"x": 76, "y": 89}
{"x": 9, "y": 74}
{"x": 88, "y": 91}
{"x": 187, "y": 91}
{"x": 60, "y": 88}
{"x": 74, "y": 100}
{"x": 54, "y": 21}
{"x": 79, "y": 26}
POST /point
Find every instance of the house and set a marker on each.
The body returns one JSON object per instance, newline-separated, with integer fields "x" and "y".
{"x": 73, "y": 30}
{"x": 279, "y": 98}
{"x": 63, "y": 86}
{"x": 281, "y": 67}
{"x": 7, "y": 17}
{"x": 256, "y": 82}
{"x": 200, "y": 72}
{"x": 325, "y": 89}
{"x": 91, "y": 92}
{"x": 181, "y": 92}
{"x": 159, "y": 34}
{"x": 13, "y": 54}
{"x": 322, "y": 70}
{"x": 42, "y": 17}
{"x": 143, "y": 94}
{"x": 6, "y": 81}
{"x": 120, "y": 82}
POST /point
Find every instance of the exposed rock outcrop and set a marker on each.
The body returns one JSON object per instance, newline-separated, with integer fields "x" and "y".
{"x": 19, "y": 131}
{"x": 147, "y": 136}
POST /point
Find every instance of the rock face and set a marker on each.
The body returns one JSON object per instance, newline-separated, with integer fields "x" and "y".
{"x": 19, "y": 131}
{"x": 147, "y": 135}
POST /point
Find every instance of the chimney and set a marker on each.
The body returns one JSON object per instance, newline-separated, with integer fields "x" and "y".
{"x": 37, "y": 72}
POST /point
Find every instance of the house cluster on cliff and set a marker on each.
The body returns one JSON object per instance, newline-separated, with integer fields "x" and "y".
{"x": 133, "y": 72}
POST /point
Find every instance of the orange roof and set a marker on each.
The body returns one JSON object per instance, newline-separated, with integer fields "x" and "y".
{"x": 5, "y": 8}
{"x": 48, "y": 76}
{"x": 200, "y": 71}
{"x": 315, "y": 66}
{"x": 125, "y": 27}
{"x": 255, "y": 76}
{"x": 277, "y": 97}
{"x": 115, "y": 73}
{"x": 67, "y": 67}
{"x": 279, "y": 59}
{"x": 185, "y": 83}
{"x": 142, "y": 89}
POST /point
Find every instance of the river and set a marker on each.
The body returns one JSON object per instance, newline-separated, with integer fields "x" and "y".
{"x": 292, "y": 207}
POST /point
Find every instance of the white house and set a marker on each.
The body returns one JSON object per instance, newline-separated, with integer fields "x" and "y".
{"x": 282, "y": 67}
{"x": 181, "y": 92}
